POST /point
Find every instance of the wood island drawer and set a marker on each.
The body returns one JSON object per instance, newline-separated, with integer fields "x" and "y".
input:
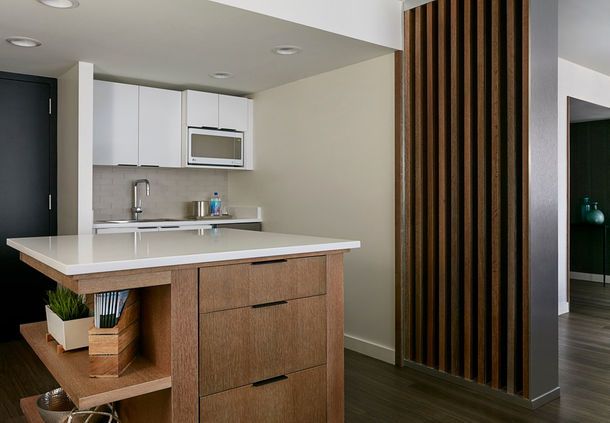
{"x": 294, "y": 398}
{"x": 241, "y": 346}
{"x": 241, "y": 285}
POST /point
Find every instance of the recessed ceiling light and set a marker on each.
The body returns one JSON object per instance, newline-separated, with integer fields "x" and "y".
{"x": 60, "y": 4}
{"x": 23, "y": 41}
{"x": 221, "y": 75}
{"x": 286, "y": 50}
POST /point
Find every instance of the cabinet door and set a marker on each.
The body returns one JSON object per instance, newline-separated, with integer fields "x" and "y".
{"x": 160, "y": 132}
{"x": 201, "y": 109}
{"x": 115, "y": 124}
{"x": 233, "y": 113}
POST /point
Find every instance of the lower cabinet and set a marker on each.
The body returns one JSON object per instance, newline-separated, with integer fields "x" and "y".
{"x": 263, "y": 342}
{"x": 298, "y": 397}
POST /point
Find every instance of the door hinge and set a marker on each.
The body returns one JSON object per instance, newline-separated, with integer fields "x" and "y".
{"x": 50, "y": 202}
{"x": 50, "y": 107}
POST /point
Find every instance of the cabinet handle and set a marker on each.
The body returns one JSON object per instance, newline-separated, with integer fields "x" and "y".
{"x": 258, "y": 263}
{"x": 145, "y": 165}
{"x": 128, "y": 165}
{"x": 270, "y": 380}
{"x": 274, "y": 303}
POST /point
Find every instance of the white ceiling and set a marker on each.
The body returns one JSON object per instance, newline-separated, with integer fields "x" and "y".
{"x": 584, "y": 33}
{"x": 174, "y": 44}
{"x": 583, "y": 111}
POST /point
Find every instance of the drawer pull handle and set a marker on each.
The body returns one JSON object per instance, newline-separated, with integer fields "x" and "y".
{"x": 274, "y": 303}
{"x": 258, "y": 263}
{"x": 270, "y": 380}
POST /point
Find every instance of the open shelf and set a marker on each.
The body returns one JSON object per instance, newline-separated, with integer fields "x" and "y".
{"x": 71, "y": 370}
{"x": 30, "y": 410}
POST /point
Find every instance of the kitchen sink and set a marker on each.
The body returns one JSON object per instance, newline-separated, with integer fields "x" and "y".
{"x": 140, "y": 220}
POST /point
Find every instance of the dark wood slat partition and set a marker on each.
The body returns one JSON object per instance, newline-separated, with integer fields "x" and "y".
{"x": 465, "y": 150}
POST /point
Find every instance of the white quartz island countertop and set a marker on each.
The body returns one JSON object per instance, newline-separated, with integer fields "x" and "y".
{"x": 81, "y": 254}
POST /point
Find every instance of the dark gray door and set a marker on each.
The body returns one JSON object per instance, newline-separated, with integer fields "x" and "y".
{"x": 27, "y": 179}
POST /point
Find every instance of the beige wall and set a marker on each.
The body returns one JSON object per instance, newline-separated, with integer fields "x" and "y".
{"x": 324, "y": 151}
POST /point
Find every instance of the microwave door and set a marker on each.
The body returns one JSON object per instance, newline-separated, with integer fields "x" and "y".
{"x": 215, "y": 148}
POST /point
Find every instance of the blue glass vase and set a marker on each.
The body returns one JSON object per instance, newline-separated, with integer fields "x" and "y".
{"x": 595, "y": 216}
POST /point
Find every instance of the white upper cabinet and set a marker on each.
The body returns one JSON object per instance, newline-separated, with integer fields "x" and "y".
{"x": 201, "y": 109}
{"x": 215, "y": 111}
{"x": 115, "y": 124}
{"x": 160, "y": 127}
{"x": 233, "y": 113}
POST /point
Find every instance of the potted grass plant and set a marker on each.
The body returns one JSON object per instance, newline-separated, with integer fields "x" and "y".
{"x": 68, "y": 318}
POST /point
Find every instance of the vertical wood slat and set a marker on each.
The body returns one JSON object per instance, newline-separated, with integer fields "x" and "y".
{"x": 456, "y": 204}
{"x": 419, "y": 179}
{"x": 482, "y": 208}
{"x": 511, "y": 202}
{"x": 466, "y": 198}
{"x": 525, "y": 324}
{"x": 400, "y": 241}
{"x": 469, "y": 95}
{"x": 409, "y": 181}
{"x": 432, "y": 120}
{"x": 443, "y": 200}
{"x": 496, "y": 199}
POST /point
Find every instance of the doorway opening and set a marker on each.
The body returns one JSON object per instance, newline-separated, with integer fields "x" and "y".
{"x": 588, "y": 207}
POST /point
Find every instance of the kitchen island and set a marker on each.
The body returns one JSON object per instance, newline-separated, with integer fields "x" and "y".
{"x": 234, "y": 325}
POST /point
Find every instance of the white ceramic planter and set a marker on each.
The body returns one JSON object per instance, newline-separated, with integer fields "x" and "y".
{"x": 70, "y": 335}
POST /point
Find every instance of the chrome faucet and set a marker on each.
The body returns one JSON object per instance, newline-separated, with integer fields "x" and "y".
{"x": 137, "y": 204}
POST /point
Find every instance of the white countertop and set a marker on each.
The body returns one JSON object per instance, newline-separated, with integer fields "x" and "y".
{"x": 79, "y": 254}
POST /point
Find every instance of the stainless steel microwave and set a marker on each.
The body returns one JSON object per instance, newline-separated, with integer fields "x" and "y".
{"x": 214, "y": 147}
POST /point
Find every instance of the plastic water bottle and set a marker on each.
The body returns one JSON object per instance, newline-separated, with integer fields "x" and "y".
{"x": 215, "y": 205}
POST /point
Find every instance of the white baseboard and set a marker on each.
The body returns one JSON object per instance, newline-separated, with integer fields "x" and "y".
{"x": 564, "y": 307}
{"x": 380, "y": 352}
{"x": 590, "y": 277}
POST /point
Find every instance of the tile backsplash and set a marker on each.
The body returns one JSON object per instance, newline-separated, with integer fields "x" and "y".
{"x": 171, "y": 190}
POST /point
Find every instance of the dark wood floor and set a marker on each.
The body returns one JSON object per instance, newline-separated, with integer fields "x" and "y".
{"x": 22, "y": 374}
{"x": 379, "y": 392}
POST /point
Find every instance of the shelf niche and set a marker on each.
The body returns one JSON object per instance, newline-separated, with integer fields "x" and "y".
{"x": 149, "y": 373}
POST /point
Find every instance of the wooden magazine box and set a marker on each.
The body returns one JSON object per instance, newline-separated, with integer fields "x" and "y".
{"x": 112, "y": 350}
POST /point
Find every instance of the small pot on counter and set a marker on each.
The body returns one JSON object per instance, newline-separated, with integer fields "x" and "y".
{"x": 201, "y": 209}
